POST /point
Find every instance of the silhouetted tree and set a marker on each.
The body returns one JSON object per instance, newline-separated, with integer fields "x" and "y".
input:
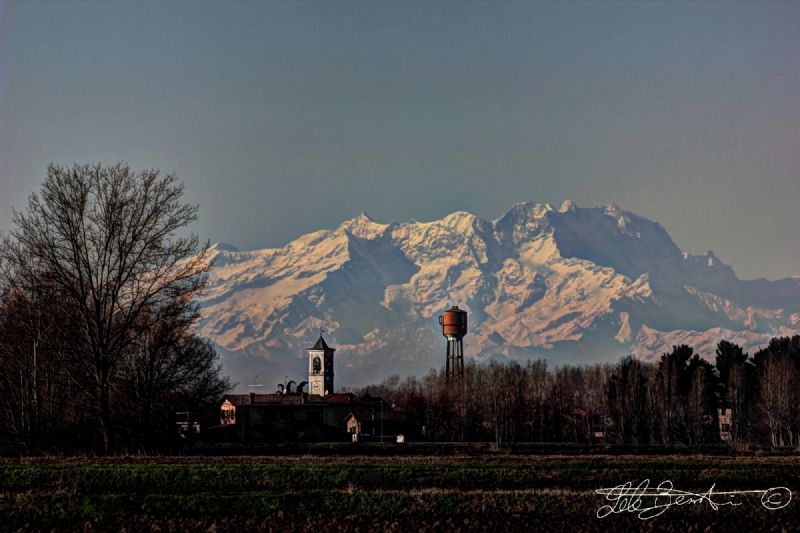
{"x": 674, "y": 402}
{"x": 108, "y": 240}
{"x": 702, "y": 420}
{"x": 673, "y": 380}
{"x": 737, "y": 386}
{"x": 167, "y": 368}
{"x": 39, "y": 404}
{"x": 778, "y": 377}
{"x": 628, "y": 400}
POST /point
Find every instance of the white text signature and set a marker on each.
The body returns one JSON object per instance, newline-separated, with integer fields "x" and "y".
{"x": 649, "y": 502}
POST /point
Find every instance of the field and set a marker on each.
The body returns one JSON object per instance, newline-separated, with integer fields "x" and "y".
{"x": 382, "y": 493}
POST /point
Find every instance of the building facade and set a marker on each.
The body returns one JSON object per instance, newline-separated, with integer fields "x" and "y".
{"x": 295, "y": 415}
{"x": 320, "y": 368}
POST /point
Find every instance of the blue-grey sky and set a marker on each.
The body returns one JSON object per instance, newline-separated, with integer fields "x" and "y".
{"x": 283, "y": 118}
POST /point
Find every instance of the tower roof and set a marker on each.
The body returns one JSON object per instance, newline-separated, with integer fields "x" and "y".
{"x": 321, "y": 345}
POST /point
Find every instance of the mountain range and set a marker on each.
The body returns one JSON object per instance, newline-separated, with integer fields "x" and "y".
{"x": 572, "y": 285}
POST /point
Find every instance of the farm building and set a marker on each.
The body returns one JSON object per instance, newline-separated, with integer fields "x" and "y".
{"x": 292, "y": 414}
{"x": 725, "y": 416}
{"x": 300, "y": 416}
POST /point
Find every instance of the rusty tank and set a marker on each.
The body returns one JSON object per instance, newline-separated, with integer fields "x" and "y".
{"x": 454, "y": 322}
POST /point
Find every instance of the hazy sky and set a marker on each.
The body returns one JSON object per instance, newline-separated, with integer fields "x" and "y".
{"x": 283, "y": 118}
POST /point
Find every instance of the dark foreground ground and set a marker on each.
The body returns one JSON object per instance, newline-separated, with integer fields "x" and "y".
{"x": 385, "y": 493}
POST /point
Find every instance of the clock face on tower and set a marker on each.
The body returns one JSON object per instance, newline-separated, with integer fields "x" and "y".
{"x": 316, "y": 365}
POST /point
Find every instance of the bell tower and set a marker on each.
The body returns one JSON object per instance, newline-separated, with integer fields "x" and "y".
{"x": 320, "y": 368}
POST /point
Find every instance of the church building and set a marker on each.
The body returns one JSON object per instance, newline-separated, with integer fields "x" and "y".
{"x": 291, "y": 414}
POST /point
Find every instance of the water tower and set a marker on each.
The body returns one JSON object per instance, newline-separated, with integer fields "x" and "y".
{"x": 454, "y": 327}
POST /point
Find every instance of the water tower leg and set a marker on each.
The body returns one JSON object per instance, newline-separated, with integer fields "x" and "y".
{"x": 461, "y": 357}
{"x": 455, "y": 358}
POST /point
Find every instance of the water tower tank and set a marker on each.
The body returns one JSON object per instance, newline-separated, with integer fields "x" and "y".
{"x": 454, "y": 322}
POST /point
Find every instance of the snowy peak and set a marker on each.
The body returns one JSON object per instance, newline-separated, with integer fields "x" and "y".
{"x": 521, "y": 223}
{"x": 571, "y": 284}
{"x": 461, "y": 221}
{"x": 613, "y": 210}
{"x": 567, "y": 206}
{"x": 529, "y": 210}
{"x": 609, "y": 236}
{"x": 225, "y": 247}
{"x": 601, "y": 235}
{"x": 363, "y": 227}
{"x": 708, "y": 259}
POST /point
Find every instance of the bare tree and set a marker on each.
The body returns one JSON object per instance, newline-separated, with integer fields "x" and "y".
{"x": 596, "y": 400}
{"x": 736, "y": 374}
{"x": 701, "y": 412}
{"x": 673, "y": 381}
{"x": 166, "y": 367}
{"x": 108, "y": 239}
{"x": 33, "y": 384}
{"x": 777, "y": 383}
{"x": 628, "y": 399}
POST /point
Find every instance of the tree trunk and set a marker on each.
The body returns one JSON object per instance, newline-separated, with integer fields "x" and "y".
{"x": 104, "y": 436}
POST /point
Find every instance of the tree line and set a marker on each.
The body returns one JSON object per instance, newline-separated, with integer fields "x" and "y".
{"x": 99, "y": 280}
{"x": 680, "y": 398}
{"x": 98, "y": 286}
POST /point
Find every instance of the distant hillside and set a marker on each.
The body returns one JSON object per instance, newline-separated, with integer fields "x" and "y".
{"x": 571, "y": 285}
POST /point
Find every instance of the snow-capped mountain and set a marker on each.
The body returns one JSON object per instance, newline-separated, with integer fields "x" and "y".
{"x": 572, "y": 285}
